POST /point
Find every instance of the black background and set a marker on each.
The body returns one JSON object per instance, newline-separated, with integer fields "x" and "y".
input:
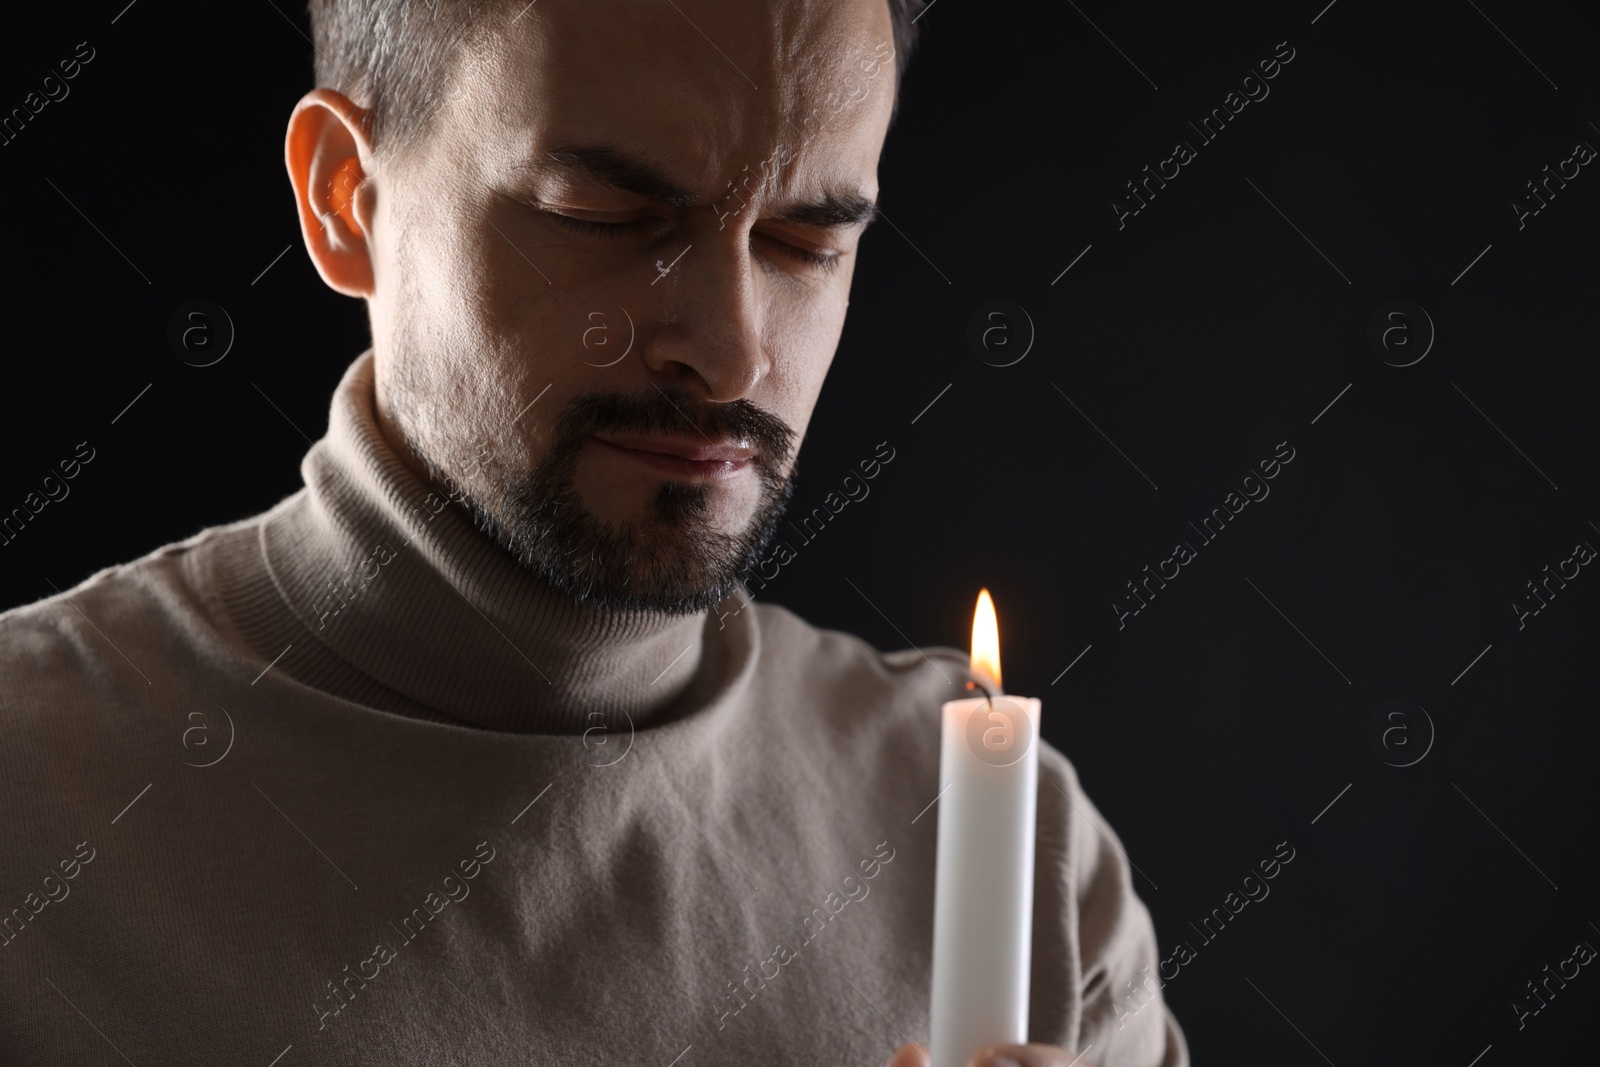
{"x": 1224, "y": 717}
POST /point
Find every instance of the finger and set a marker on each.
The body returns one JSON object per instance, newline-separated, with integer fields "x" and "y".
{"x": 912, "y": 1055}
{"x": 1027, "y": 1056}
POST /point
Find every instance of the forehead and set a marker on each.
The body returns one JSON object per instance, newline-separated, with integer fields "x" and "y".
{"x": 702, "y": 85}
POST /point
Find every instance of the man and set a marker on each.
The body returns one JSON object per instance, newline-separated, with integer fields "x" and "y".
{"x": 476, "y": 749}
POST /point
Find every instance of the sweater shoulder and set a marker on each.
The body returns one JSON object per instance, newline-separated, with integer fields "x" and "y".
{"x": 797, "y": 653}
{"x": 98, "y": 683}
{"x": 846, "y": 708}
{"x": 902, "y": 688}
{"x": 909, "y": 683}
{"x": 119, "y": 637}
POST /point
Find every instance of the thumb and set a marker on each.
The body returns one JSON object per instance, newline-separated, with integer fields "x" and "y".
{"x": 1027, "y": 1056}
{"x": 912, "y": 1055}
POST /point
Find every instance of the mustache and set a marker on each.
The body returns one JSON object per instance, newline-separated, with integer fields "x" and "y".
{"x": 675, "y": 412}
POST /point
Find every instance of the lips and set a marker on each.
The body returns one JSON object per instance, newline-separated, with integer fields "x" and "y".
{"x": 682, "y": 455}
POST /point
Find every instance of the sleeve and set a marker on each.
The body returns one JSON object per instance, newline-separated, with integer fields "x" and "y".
{"x": 1122, "y": 1018}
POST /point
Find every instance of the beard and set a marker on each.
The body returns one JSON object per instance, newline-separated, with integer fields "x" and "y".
{"x": 671, "y": 559}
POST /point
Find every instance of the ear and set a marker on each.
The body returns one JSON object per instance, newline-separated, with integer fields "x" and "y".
{"x": 333, "y": 169}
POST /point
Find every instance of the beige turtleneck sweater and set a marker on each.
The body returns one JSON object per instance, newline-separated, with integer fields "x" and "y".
{"x": 340, "y": 784}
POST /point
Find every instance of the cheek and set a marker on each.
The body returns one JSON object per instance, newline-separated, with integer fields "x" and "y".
{"x": 567, "y": 314}
{"x": 457, "y": 333}
{"x": 494, "y": 286}
{"x": 805, "y": 318}
{"x": 802, "y": 337}
{"x": 438, "y": 283}
{"x": 477, "y": 296}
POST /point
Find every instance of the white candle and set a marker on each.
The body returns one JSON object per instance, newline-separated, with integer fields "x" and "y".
{"x": 983, "y": 885}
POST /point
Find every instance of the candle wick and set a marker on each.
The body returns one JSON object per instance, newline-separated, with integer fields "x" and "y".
{"x": 988, "y": 695}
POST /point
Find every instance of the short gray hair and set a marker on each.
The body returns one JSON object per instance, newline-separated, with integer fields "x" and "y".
{"x": 392, "y": 57}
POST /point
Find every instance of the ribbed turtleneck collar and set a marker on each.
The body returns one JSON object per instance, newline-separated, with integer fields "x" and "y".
{"x": 406, "y": 593}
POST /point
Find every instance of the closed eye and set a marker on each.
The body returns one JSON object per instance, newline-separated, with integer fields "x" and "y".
{"x": 603, "y": 229}
{"x": 827, "y": 261}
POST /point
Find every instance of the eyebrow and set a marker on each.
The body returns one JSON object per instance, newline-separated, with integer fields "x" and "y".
{"x": 613, "y": 167}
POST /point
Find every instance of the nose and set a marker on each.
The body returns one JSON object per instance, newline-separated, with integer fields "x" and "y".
{"x": 708, "y": 338}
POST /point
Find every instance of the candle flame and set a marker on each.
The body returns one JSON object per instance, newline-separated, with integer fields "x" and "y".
{"x": 986, "y": 639}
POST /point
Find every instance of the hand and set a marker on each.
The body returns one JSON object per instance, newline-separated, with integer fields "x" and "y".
{"x": 996, "y": 1056}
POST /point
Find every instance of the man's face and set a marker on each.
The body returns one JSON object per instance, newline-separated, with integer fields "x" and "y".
{"x": 598, "y": 305}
